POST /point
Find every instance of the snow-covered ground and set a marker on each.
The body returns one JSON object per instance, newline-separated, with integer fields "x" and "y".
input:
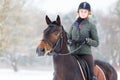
{"x": 6, "y": 74}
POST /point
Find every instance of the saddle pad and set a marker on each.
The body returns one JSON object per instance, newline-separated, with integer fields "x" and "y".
{"x": 84, "y": 69}
{"x": 99, "y": 73}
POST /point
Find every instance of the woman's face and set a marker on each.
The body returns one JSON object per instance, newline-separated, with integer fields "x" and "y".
{"x": 83, "y": 13}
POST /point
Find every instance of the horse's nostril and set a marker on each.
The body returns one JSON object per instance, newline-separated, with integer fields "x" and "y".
{"x": 42, "y": 49}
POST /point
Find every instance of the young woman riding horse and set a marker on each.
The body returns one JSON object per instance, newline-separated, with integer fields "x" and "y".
{"x": 83, "y": 30}
{"x": 66, "y": 67}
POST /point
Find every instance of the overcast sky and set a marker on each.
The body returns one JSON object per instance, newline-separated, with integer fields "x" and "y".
{"x": 64, "y": 6}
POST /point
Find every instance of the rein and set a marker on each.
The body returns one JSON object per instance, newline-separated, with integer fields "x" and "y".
{"x": 69, "y": 53}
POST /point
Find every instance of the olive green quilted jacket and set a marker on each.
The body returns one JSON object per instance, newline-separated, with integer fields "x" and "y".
{"x": 85, "y": 30}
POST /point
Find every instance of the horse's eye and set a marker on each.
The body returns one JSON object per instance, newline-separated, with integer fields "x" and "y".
{"x": 56, "y": 32}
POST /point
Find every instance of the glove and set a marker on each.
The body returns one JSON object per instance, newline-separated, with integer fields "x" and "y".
{"x": 81, "y": 41}
{"x": 71, "y": 42}
{"x": 87, "y": 40}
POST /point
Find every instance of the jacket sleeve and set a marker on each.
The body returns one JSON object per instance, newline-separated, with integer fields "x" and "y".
{"x": 93, "y": 40}
{"x": 69, "y": 35}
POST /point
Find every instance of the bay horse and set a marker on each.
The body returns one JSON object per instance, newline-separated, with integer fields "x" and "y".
{"x": 66, "y": 67}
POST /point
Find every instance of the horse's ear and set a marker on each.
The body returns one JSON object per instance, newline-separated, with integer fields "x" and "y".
{"x": 58, "y": 20}
{"x": 48, "y": 21}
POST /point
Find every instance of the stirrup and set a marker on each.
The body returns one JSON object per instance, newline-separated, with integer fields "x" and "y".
{"x": 95, "y": 78}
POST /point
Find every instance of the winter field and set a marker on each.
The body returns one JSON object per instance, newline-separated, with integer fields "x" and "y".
{"x": 7, "y": 74}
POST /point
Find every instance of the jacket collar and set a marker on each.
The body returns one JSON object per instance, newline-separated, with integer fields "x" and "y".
{"x": 85, "y": 21}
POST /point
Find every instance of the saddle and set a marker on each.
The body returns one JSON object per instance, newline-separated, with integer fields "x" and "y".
{"x": 98, "y": 70}
{"x": 83, "y": 67}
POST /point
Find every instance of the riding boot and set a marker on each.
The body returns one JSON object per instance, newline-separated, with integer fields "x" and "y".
{"x": 95, "y": 78}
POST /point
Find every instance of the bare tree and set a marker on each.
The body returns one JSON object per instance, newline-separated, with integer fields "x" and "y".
{"x": 117, "y": 8}
{"x": 109, "y": 31}
{"x": 6, "y": 35}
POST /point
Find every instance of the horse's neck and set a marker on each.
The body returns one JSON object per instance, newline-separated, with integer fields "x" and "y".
{"x": 64, "y": 50}
{"x": 64, "y": 46}
{"x": 66, "y": 68}
{"x": 60, "y": 62}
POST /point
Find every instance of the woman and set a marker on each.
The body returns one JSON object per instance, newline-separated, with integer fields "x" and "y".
{"x": 82, "y": 31}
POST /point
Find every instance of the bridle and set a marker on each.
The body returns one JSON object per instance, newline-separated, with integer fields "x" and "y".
{"x": 53, "y": 52}
{"x": 54, "y": 45}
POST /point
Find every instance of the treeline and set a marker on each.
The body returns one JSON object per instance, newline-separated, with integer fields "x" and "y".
{"x": 21, "y": 27}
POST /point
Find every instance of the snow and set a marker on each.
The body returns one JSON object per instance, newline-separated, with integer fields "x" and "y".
{"x": 7, "y": 74}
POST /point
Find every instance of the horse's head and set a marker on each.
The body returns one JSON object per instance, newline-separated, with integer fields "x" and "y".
{"x": 51, "y": 37}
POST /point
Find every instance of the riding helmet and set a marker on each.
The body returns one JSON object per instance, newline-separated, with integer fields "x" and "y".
{"x": 84, "y": 5}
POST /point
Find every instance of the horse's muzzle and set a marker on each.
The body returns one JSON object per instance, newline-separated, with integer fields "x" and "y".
{"x": 40, "y": 51}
